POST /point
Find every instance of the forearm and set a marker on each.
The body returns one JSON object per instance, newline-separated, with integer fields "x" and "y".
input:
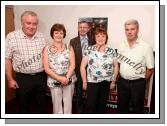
{"x": 116, "y": 70}
{"x": 83, "y": 75}
{"x": 8, "y": 69}
{"x": 70, "y": 71}
{"x": 52, "y": 74}
{"x": 148, "y": 74}
{"x": 115, "y": 74}
{"x": 72, "y": 63}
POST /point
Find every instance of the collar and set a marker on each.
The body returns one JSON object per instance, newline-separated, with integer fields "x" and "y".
{"x": 81, "y": 37}
{"x": 136, "y": 43}
{"x": 23, "y": 35}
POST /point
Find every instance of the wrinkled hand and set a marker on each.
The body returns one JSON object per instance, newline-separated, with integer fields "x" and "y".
{"x": 112, "y": 86}
{"x": 13, "y": 84}
{"x": 84, "y": 85}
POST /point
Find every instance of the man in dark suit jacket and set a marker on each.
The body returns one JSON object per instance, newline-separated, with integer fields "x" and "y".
{"x": 77, "y": 44}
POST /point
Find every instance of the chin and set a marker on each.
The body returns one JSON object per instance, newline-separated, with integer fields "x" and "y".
{"x": 31, "y": 33}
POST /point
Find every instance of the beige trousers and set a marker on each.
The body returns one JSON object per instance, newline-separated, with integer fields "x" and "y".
{"x": 63, "y": 95}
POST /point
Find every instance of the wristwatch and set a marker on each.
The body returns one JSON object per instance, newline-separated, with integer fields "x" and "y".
{"x": 69, "y": 79}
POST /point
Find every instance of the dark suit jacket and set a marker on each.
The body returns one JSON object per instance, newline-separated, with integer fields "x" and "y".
{"x": 76, "y": 44}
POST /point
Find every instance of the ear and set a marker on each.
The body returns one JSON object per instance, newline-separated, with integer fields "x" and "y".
{"x": 89, "y": 28}
{"x": 137, "y": 30}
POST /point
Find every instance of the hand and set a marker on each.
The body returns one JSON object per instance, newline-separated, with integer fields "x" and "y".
{"x": 13, "y": 84}
{"x": 112, "y": 85}
{"x": 84, "y": 85}
{"x": 64, "y": 81}
{"x": 147, "y": 80}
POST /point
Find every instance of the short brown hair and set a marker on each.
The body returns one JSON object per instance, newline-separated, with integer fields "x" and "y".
{"x": 58, "y": 27}
{"x": 103, "y": 31}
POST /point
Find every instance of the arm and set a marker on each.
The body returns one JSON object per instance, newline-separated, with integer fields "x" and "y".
{"x": 148, "y": 74}
{"x": 83, "y": 72}
{"x": 8, "y": 71}
{"x": 116, "y": 69}
{"x": 149, "y": 63}
{"x": 72, "y": 64}
{"x": 51, "y": 73}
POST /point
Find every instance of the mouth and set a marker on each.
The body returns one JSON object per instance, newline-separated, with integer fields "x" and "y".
{"x": 31, "y": 30}
{"x": 130, "y": 36}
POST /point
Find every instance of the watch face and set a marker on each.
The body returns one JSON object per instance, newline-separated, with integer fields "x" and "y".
{"x": 70, "y": 80}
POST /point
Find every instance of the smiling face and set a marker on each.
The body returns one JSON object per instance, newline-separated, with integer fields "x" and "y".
{"x": 100, "y": 38}
{"x": 29, "y": 25}
{"x": 131, "y": 31}
{"x": 58, "y": 36}
{"x": 83, "y": 28}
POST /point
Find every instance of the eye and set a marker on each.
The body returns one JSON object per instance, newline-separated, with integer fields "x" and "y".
{"x": 61, "y": 33}
{"x": 28, "y": 23}
{"x": 35, "y": 24}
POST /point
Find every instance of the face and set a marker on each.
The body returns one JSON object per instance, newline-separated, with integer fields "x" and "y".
{"x": 131, "y": 32}
{"x": 58, "y": 36}
{"x": 29, "y": 25}
{"x": 100, "y": 38}
{"x": 83, "y": 28}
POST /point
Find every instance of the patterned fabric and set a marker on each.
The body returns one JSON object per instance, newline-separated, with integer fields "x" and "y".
{"x": 84, "y": 43}
{"x": 59, "y": 63}
{"x": 25, "y": 53}
{"x": 100, "y": 65}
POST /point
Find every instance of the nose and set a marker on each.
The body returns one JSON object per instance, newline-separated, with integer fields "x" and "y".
{"x": 129, "y": 32}
{"x": 32, "y": 26}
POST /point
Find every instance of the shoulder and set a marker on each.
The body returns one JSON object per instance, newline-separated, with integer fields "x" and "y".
{"x": 67, "y": 46}
{"x": 48, "y": 45}
{"x": 122, "y": 45}
{"x": 14, "y": 34}
{"x": 144, "y": 44}
{"x": 40, "y": 34}
{"x": 110, "y": 50}
{"x": 74, "y": 40}
{"x": 109, "y": 47}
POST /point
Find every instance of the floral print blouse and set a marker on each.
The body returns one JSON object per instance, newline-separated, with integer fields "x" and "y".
{"x": 100, "y": 65}
{"x": 59, "y": 63}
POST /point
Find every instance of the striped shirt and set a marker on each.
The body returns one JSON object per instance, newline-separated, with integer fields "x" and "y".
{"x": 25, "y": 53}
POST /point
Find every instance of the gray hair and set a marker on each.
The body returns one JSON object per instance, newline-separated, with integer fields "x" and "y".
{"x": 132, "y": 21}
{"x": 25, "y": 13}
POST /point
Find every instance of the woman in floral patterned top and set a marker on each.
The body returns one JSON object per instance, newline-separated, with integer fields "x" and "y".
{"x": 59, "y": 64}
{"x": 102, "y": 71}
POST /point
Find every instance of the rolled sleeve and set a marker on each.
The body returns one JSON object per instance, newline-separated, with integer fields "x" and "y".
{"x": 8, "y": 48}
{"x": 149, "y": 58}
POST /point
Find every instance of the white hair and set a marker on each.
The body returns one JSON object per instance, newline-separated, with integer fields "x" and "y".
{"x": 132, "y": 21}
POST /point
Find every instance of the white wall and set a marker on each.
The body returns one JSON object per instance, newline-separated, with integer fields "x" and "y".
{"x": 117, "y": 15}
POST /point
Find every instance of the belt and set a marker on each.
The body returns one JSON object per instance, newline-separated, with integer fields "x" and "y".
{"x": 31, "y": 74}
{"x": 59, "y": 83}
{"x": 140, "y": 79}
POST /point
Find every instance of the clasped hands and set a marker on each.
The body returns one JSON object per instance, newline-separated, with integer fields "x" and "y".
{"x": 65, "y": 80}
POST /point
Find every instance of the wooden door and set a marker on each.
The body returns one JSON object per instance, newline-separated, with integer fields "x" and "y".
{"x": 9, "y": 26}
